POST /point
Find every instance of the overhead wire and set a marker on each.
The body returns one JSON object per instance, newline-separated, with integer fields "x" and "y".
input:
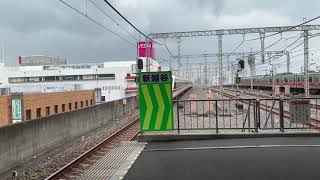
{"x": 124, "y": 18}
{"x": 288, "y": 51}
{"x": 112, "y": 19}
{"x": 97, "y": 23}
{"x": 288, "y": 29}
{"x": 280, "y": 32}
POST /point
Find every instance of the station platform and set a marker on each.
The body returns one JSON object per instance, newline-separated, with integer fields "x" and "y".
{"x": 277, "y": 158}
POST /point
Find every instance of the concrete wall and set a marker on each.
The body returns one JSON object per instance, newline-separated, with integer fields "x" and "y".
{"x": 22, "y": 141}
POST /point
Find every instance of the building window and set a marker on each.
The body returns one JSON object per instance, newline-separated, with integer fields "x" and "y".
{"x": 106, "y": 76}
{"x": 18, "y": 80}
{"x": 50, "y": 78}
{"x": 87, "y": 103}
{"x": 70, "y": 78}
{"x": 56, "y": 109}
{"x": 310, "y": 79}
{"x": 34, "y": 79}
{"x": 88, "y": 77}
{"x": 28, "y": 114}
{"x": 81, "y": 103}
{"x": 63, "y": 108}
{"x": 38, "y": 112}
{"x": 91, "y": 102}
{"x": 76, "y": 105}
{"x": 70, "y": 106}
{"x": 47, "y": 110}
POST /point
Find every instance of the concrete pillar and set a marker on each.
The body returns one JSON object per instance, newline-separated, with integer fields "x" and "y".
{"x": 287, "y": 90}
{"x": 193, "y": 104}
{"x": 209, "y": 106}
{"x": 277, "y": 90}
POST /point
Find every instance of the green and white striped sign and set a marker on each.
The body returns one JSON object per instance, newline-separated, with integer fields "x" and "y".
{"x": 155, "y": 94}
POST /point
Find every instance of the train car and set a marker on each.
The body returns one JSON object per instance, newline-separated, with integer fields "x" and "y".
{"x": 295, "y": 81}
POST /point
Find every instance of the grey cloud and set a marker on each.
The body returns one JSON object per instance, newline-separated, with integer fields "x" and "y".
{"x": 49, "y": 27}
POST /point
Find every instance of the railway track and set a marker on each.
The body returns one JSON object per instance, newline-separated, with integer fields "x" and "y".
{"x": 315, "y": 106}
{"x": 275, "y": 110}
{"x": 79, "y": 165}
{"x": 87, "y": 159}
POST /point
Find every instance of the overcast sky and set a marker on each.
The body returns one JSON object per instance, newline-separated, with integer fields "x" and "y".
{"x": 48, "y": 27}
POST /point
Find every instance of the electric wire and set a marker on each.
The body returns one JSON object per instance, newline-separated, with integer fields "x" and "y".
{"x": 112, "y": 19}
{"x": 97, "y": 23}
{"x": 124, "y": 18}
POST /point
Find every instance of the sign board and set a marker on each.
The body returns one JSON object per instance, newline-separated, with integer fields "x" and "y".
{"x": 142, "y": 50}
{"x": 299, "y": 110}
{"x": 16, "y": 107}
{"x": 97, "y": 95}
{"x": 155, "y": 97}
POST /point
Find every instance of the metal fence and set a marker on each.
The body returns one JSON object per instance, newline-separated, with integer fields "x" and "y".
{"x": 247, "y": 115}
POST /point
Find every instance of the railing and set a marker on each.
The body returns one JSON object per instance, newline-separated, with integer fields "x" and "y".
{"x": 247, "y": 115}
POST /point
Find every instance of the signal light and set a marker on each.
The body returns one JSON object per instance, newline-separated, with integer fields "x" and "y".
{"x": 140, "y": 64}
{"x": 241, "y": 64}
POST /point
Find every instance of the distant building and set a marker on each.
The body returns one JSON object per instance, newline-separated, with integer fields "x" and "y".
{"x": 38, "y": 60}
{"x": 19, "y": 107}
{"x": 115, "y": 79}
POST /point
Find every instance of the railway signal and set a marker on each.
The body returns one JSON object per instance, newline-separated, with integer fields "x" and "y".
{"x": 140, "y": 64}
{"x": 241, "y": 64}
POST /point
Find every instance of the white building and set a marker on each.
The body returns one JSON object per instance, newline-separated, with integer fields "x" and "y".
{"x": 116, "y": 79}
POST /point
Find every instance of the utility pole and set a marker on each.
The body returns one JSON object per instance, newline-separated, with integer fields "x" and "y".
{"x": 147, "y": 56}
{"x": 220, "y": 63}
{"x": 205, "y": 72}
{"x": 188, "y": 72}
{"x": 179, "y": 55}
{"x": 262, "y": 38}
{"x": 252, "y": 66}
{"x": 229, "y": 73}
{"x": 306, "y": 63}
{"x": 272, "y": 73}
{"x": 288, "y": 61}
{"x": 200, "y": 75}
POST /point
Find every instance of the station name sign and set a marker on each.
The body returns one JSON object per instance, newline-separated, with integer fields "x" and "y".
{"x": 156, "y": 77}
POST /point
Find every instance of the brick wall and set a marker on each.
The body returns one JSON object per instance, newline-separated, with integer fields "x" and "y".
{"x": 5, "y": 110}
{"x": 37, "y": 105}
{"x": 52, "y": 103}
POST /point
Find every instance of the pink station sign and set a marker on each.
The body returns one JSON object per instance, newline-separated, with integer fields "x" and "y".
{"x": 142, "y": 50}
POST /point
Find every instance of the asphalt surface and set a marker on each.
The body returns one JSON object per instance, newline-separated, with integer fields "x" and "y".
{"x": 170, "y": 160}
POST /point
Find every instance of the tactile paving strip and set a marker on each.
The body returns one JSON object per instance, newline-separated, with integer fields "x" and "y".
{"x": 116, "y": 163}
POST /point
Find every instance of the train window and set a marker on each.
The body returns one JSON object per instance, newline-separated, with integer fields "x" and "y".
{"x": 277, "y": 79}
{"x": 310, "y": 79}
{"x": 293, "y": 79}
{"x": 285, "y": 80}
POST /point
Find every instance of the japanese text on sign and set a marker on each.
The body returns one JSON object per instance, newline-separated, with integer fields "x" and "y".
{"x": 300, "y": 111}
{"x": 16, "y": 109}
{"x": 161, "y": 77}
